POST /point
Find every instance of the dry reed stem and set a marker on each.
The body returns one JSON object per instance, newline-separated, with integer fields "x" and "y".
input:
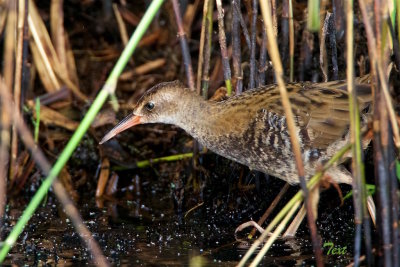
{"x": 43, "y": 58}
{"x": 243, "y": 25}
{"x": 57, "y": 31}
{"x": 274, "y": 54}
{"x": 103, "y": 177}
{"x": 253, "y": 28}
{"x": 323, "y": 58}
{"x": 222, "y": 44}
{"x": 205, "y": 78}
{"x": 274, "y": 16}
{"x": 184, "y": 46}
{"x": 377, "y": 67}
{"x": 4, "y": 156}
{"x": 203, "y": 67}
{"x": 291, "y": 40}
{"x": 18, "y": 74}
{"x": 8, "y": 71}
{"x": 9, "y": 44}
{"x": 201, "y": 48}
{"x": 236, "y": 49}
{"x": 143, "y": 69}
{"x": 53, "y": 66}
{"x": 189, "y": 17}
{"x": 382, "y": 175}
{"x": 263, "y": 66}
{"x": 121, "y": 25}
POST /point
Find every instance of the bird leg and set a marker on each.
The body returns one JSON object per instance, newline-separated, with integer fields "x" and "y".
{"x": 327, "y": 181}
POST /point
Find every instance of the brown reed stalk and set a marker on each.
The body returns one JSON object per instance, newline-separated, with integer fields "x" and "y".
{"x": 333, "y": 45}
{"x": 201, "y": 48}
{"x": 25, "y": 74}
{"x": 184, "y": 46}
{"x": 203, "y": 67}
{"x": 243, "y": 25}
{"x": 274, "y": 53}
{"x": 284, "y": 34}
{"x": 253, "y": 29}
{"x": 381, "y": 141}
{"x": 306, "y": 52}
{"x": 236, "y": 48}
{"x": 205, "y": 79}
{"x": 382, "y": 131}
{"x": 44, "y": 47}
{"x": 4, "y": 157}
{"x": 224, "y": 50}
{"x": 323, "y": 62}
{"x": 121, "y": 25}
{"x": 9, "y": 43}
{"x": 394, "y": 187}
{"x": 263, "y": 58}
{"x": 274, "y": 17}
{"x": 22, "y": 18}
{"x": 378, "y": 71}
{"x": 8, "y": 71}
{"x": 382, "y": 179}
{"x": 57, "y": 31}
{"x": 291, "y": 41}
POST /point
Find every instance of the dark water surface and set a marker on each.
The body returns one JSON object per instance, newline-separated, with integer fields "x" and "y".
{"x": 142, "y": 228}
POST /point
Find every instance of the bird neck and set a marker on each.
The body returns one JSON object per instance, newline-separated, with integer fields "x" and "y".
{"x": 199, "y": 118}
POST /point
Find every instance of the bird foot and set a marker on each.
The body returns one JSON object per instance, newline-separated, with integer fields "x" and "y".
{"x": 327, "y": 181}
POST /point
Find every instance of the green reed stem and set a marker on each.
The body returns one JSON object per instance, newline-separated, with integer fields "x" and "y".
{"x": 146, "y": 163}
{"x": 313, "y": 15}
{"x": 37, "y": 122}
{"x": 108, "y": 88}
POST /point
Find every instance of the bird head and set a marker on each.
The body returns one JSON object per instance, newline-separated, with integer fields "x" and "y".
{"x": 160, "y": 104}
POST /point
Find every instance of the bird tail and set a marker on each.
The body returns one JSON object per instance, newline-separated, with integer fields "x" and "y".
{"x": 364, "y": 95}
{"x": 365, "y": 79}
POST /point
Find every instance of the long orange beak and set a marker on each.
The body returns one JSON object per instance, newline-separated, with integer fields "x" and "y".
{"x": 128, "y": 122}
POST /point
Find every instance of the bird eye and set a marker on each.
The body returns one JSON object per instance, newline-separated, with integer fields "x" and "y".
{"x": 149, "y": 106}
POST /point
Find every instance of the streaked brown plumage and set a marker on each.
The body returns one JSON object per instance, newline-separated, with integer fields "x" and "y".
{"x": 251, "y": 128}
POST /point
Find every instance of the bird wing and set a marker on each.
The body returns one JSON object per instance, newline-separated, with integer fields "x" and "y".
{"x": 321, "y": 110}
